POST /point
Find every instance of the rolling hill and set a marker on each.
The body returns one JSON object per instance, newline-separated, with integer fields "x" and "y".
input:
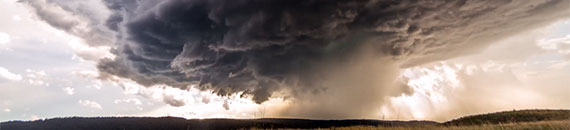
{"x": 511, "y": 116}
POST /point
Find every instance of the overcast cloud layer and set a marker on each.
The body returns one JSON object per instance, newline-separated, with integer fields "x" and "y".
{"x": 335, "y": 59}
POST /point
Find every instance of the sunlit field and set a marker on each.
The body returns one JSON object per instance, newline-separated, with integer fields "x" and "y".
{"x": 506, "y": 120}
{"x": 541, "y": 125}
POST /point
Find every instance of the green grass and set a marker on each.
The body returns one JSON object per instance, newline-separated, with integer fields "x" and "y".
{"x": 539, "y": 125}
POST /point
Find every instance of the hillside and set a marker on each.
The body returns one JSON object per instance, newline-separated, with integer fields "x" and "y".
{"x": 510, "y": 117}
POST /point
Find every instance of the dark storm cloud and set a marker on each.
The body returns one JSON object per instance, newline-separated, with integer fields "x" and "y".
{"x": 260, "y": 46}
{"x": 338, "y": 47}
{"x": 230, "y": 47}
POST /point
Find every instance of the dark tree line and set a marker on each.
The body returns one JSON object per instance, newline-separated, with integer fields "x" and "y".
{"x": 172, "y": 123}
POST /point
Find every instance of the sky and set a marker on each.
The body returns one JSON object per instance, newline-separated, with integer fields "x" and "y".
{"x": 204, "y": 59}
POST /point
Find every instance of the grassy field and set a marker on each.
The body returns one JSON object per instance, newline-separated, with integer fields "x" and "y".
{"x": 506, "y": 117}
{"x": 506, "y": 120}
{"x": 539, "y": 125}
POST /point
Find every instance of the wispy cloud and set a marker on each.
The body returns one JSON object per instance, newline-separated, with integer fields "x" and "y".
{"x": 69, "y": 90}
{"x": 560, "y": 44}
{"x": 5, "y": 73}
{"x": 134, "y": 101}
{"x": 91, "y": 104}
{"x": 4, "y": 38}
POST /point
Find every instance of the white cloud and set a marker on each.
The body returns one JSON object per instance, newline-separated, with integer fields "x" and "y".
{"x": 7, "y": 110}
{"x": 80, "y": 19}
{"x": 4, "y": 38}
{"x": 35, "y": 74}
{"x": 91, "y": 76}
{"x": 34, "y": 117}
{"x": 9, "y": 75}
{"x": 37, "y": 82}
{"x": 470, "y": 69}
{"x": 69, "y": 90}
{"x": 90, "y": 104}
{"x": 560, "y": 44}
{"x": 85, "y": 52}
{"x": 129, "y": 100}
{"x": 431, "y": 82}
{"x": 491, "y": 66}
{"x": 86, "y": 73}
{"x": 96, "y": 84}
{"x": 36, "y": 78}
{"x": 16, "y": 18}
{"x": 487, "y": 75}
{"x": 194, "y": 102}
